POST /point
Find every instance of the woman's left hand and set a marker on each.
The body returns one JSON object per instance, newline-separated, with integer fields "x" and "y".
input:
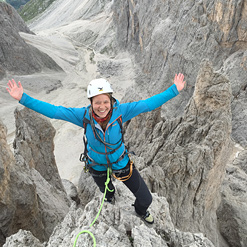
{"x": 179, "y": 81}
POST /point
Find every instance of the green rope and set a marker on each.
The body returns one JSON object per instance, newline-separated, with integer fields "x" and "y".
{"x": 109, "y": 171}
{"x": 85, "y": 231}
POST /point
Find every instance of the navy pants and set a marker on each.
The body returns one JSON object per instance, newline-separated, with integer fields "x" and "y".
{"x": 135, "y": 184}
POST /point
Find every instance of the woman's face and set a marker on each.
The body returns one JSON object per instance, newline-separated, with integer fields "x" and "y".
{"x": 101, "y": 105}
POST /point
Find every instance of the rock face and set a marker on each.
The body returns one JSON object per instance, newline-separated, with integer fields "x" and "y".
{"x": 16, "y": 56}
{"x": 175, "y": 37}
{"x": 186, "y": 157}
{"x": 183, "y": 148}
{"x": 116, "y": 225}
{"x": 190, "y": 177}
{"x": 233, "y": 208}
{"x": 31, "y": 195}
{"x": 171, "y": 37}
{"x": 34, "y": 144}
{"x": 6, "y": 161}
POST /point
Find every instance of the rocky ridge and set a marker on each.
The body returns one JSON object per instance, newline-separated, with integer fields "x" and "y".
{"x": 173, "y": 37}
{"x": 190, "y": 176}
{"x": 118, "y": 223}
{"x": 186, "y": 150}
{"x": 30, "y": 197}
{"x": 16, "y": 56}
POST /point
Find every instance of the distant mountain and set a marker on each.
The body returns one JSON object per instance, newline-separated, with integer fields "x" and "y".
{"x": 28, "y": 9}
{"x": 17, "y": 3}
{"x": 33, "y": 8}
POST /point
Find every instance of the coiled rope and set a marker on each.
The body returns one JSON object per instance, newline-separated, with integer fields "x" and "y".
{"x": 109, "y": 171}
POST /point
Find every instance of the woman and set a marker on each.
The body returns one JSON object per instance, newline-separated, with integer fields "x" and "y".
{"x": 102, "y": 122}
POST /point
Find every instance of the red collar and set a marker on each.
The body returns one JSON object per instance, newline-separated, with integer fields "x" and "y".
{"x": 100, "y": 120}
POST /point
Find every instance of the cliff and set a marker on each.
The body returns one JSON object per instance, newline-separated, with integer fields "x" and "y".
{"x": 32, "y": 196}
{"x": 16, "y": 56}
{"x": 191, "y": 151}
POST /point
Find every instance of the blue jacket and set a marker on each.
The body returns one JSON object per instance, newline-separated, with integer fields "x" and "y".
{"x": 112, "y": 133}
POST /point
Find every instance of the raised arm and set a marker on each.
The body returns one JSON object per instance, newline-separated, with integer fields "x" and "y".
{"x": 15, "y": 91}
{"x": 179, "y": 81}
{"x": 130, "y": 110}
{"x": 73, "y": 115}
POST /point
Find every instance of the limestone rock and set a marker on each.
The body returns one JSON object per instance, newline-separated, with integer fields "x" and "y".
{"x": 171, "y": 37}
{"x": 23, "y": 238}
{"x": 16, "y": 56}
{"x": 6, "y": 161}
{"x": 86, "y": 188}
{"x": 232, "y": 213}
{"x": 175, "y": 37}
{"x": 31, "y": 198}
{"x": 71, "y": 191}
{"x": 183, "y": 147}
{"x": 34, "y": 144}
{"x": 19, "y": 206}
{"x": 185, "y": 158}
{"x": 118, "y": 225}
{"x": 235, "y": 67}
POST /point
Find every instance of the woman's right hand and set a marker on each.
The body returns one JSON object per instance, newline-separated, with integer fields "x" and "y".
{"x": 15, "y": 90}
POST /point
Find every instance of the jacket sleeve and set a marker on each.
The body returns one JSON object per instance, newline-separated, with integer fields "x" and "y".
{"x": 73, "y": 115}
{"x": 130, "y": 110}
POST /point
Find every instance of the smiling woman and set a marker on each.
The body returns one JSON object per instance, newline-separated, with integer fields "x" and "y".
{"x": 99, "y": 92}
{"x": 102, "y": 109}
{"x": 101, "y": 105}
{"x": 102, "y": 122}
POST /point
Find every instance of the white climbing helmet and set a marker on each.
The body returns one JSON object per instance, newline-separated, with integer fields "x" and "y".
{"x": 98, "y": 86}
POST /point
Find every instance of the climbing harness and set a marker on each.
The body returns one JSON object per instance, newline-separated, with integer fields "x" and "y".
{"x": 86, "y": 231}
{"x": 125, "y": 178}
{"x": 84, "y": 156}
